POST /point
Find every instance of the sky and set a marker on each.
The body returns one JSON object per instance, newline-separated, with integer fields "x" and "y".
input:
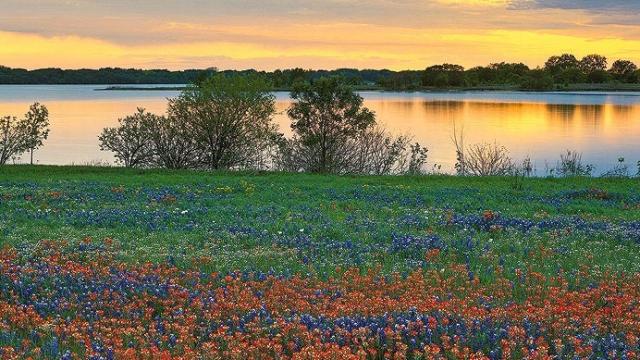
{"x": 327, "y": 34}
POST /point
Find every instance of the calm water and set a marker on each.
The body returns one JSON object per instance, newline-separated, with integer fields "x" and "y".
{"x": 603, "y": 126}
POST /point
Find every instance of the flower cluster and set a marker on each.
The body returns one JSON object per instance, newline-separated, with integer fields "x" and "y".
{"x": 261, "y": 267}
{"x": 62, "y": 301}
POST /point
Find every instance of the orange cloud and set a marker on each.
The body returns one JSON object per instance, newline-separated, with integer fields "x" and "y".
{"x": 320, "y": 45}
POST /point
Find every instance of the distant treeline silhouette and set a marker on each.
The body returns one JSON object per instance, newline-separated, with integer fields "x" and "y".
{"x": 559, "y": 72}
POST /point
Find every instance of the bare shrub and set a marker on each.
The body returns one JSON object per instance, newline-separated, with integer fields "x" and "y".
{"x": 483, "y": 159}
{"x": 376, "y": 152}
{"x": 487, "y": 159}
{"x": 458, "y": 141}
{"x": 571, "y": 164}
{"x": 620, "y": 170}
{"x": 372, "y": 152}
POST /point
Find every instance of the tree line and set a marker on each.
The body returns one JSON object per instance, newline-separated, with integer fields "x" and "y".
{"x": 226, "y": 123}
{"x": 558, "y": 71}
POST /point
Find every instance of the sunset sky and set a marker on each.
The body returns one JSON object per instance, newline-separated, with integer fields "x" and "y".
{"x": 270, "y": 34}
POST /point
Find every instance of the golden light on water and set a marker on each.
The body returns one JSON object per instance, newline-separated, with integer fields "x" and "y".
{"x": 540, "y": 130}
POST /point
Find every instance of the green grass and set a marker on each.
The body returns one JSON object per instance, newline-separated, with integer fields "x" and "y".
{"x": 314, "y": 224}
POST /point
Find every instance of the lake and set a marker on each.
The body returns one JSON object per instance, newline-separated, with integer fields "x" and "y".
{"x": 602, "y": 126}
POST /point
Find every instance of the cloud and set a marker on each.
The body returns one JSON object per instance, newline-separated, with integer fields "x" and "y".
{"x": 589, "y": 5}
{"x": 267, "y": 34}
{"x": 326, "y": 47}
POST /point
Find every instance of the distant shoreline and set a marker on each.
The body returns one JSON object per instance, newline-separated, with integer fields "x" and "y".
{"x": 569, "y": 88}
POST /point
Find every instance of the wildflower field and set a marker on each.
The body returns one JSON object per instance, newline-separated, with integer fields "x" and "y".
{"x": 127, "y": 264}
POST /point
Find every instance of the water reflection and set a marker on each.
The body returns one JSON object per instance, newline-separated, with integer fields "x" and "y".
{"x": 603, "y": 131}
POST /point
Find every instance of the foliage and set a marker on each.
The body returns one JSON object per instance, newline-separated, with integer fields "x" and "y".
{"x": 562, "y": 62}
{"x": 12, "y": 138}
{"x": 228, "y": 118}
{"x": 624, "y": 70}
{"x": 326, "y": 116}
{"x": 36, "y": 123}
{"x": 26, "y": 134}
{"x": 417, "y": 159}
{"x": 497, "y": 74}
{"x": 130, "y": 141}
{"x": 174, "y": 147}
{"x": 225, "y": 123}
{"x": 221, "y": 123}
{"x": 592, "y": 63}
{"x": 564, "y": 69}
{"x": 537, "y": 80}
{"x": 444, "y": 75}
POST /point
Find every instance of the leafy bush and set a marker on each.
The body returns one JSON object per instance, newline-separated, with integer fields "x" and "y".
{"x": 130, "y": 141}
{"x": 228, "y": 117}
{"x": 327, "y": 116}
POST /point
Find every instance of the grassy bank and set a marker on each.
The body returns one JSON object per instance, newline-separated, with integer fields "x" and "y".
{"x": 300, "y": 223}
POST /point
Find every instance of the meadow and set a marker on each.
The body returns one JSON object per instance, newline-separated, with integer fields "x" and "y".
{"x": 112, "y": 263}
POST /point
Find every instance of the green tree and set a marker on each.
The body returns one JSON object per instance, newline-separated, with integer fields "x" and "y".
{"x": 592, "y": 63}
{"x": 11, "y": 138}
{"x": 130, "y": 141}
{"x": 623, "y": 70}
{"x": 537, "y": 80}
{"x": 569, "y": 76}
{"x": 326, "y": 115}
{"x": 562, "y": 62}
{"x": 444, "y": 75}
{"x": 36, "y": 127}
{"x": 598, "y": 76}
{"x": 27, "y": 134}
{"x": 227, "y": 116}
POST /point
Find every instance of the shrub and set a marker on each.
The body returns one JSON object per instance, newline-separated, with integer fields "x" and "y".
{"x": 520, "y": 172}
{"x": 571, "y": 164}
{"x": 487, "y": 159}
{"x": 374, "y": 152}
{"x": 130, "y": 141}
{"x": 620, "y": 170}
{"x": 173, "y": 145}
